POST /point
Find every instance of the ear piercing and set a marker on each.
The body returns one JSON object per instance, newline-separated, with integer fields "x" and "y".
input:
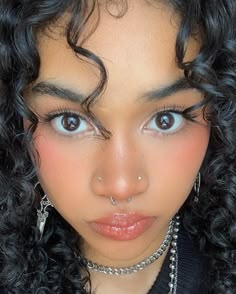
{"x": 196, "y": 188}
{"x": 42, "y": 213}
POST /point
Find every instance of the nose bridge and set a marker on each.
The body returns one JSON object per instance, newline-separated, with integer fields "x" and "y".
{"x": 123, "y": 150}
{"x": 120, "y": 168}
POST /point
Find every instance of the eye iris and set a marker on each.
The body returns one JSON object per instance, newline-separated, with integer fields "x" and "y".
{"x": 70, "y": 122}
{"x": 165, "y": 121}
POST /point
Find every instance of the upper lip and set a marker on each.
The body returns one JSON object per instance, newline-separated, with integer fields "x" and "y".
{"x": 120, "y": 219}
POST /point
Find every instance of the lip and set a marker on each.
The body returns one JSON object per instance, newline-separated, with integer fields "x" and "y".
{"x": 122, "y": 226}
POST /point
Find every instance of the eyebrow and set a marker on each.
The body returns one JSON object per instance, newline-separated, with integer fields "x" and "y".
{"x": 59, "y": 91}
{"x": 167, "y": 90}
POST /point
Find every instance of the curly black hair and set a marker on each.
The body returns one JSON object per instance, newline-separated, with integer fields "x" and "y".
{"x": 48, "y": 265}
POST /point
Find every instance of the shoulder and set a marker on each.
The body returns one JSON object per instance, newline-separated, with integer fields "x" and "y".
{"x": 192, "y": 269}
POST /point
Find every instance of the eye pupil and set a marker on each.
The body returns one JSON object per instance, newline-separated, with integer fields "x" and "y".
{"x": 164, "y": 121}
{"x": 70, "y": 122}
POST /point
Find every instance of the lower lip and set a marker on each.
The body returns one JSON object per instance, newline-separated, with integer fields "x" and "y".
{"x": 122, "y": 233}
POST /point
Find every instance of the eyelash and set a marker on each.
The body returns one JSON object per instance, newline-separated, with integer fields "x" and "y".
{"x": 174, "y": 110}
{"x": 51, "y": 115}
{"x": 177, "y": 109}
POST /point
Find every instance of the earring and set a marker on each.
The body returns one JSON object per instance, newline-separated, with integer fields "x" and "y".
{"x": 196, "y": 188}
{"x": 42, "y": 213}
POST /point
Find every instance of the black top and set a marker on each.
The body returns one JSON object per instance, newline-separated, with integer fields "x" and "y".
{"x": 192, "y": 270}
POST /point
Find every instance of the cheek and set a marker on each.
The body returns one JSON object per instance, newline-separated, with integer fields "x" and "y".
{"x": 176, "y": 169}
{"x": 187, "y": 156}
{"x": 55, "y": 161}
{"x": 63, "y": 170}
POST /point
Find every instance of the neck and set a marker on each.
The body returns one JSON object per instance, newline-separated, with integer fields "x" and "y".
{"x": 142, "y": 263}
{"x": 139, "y": 282}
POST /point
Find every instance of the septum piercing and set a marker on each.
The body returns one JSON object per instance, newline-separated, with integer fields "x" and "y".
{"x": 101, "y": 179}
{"x": 113, "y": 201}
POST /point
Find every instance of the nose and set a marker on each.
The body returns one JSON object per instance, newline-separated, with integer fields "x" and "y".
{"x": 120, "y": 173}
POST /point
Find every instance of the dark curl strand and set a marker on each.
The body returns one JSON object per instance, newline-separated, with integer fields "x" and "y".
{"x": 49, "y": 265}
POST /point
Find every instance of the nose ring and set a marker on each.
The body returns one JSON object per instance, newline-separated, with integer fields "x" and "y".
{"x": 113, "y": 201}
{"x": 100, "y": 179}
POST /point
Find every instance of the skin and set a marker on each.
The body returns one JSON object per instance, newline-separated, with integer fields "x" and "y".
{"x": 138, "y": 51}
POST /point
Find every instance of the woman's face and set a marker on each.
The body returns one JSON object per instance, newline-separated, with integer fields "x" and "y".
{"x": 151, "y": 156}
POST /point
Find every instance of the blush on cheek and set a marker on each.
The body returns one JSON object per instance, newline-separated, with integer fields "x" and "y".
{"x": 63, "y": 174}
{"x": 64, "y": 168}
{"x": 188, "y": 155}
{"x": 57, "y": 164}
{"x": 191, "y": 152}
{"x": 179, "y": 166}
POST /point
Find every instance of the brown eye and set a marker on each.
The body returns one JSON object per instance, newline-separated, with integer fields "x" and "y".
{"x": 166, "y": 122}
{"x": 70, "y": 122}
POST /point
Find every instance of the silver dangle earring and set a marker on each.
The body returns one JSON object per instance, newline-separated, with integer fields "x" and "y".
{"x": 42, "y": 213}
{"x": 196, "y": 188}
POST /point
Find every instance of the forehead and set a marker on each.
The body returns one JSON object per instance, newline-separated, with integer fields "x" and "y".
{"x": 140, "y": 44}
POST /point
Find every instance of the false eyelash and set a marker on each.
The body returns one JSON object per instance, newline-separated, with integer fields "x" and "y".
{"x": 51, "y": 115}
{"x": 185, "y": 112}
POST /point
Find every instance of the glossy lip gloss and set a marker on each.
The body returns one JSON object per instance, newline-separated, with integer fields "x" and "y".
{"x": 122, "y": 226}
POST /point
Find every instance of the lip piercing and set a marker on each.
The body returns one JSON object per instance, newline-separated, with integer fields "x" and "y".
{"x": 139, "y": 178}
{"x": 129, "y": 199}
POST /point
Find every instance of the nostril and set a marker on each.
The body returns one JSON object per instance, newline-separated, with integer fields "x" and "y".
{"x": 119, "y": 187}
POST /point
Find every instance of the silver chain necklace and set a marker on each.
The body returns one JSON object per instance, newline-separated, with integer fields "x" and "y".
{"x": 174, "y": 259}
{"x": 171, "y": 237}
